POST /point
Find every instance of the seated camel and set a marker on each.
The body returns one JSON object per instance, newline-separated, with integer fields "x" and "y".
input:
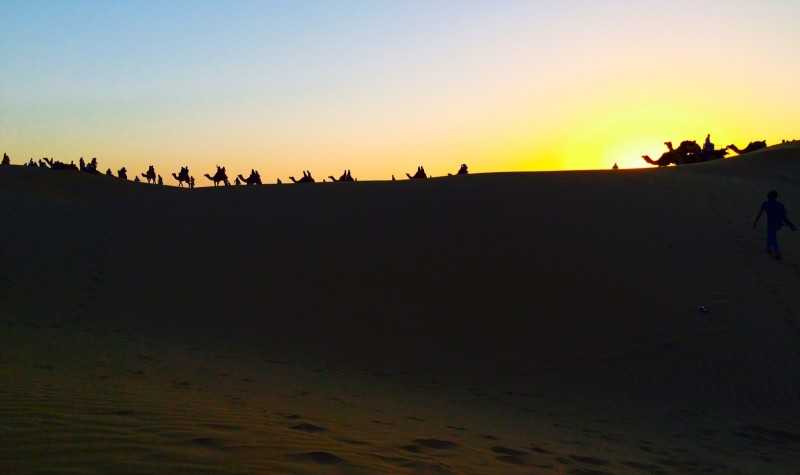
{"x": 346, "y": 176}
{"x": 182, "y": 176}
{"x": 219, "y": 177}
{"x": 150, "y": 174}
{"x": 253, "y": 179}
{"x": 420, "y": 174}
{"x": 462, "y": 170}
{"x": 307, "y": 178}
{"x": 751, "y": 147}
{"x": 687, "y": 152}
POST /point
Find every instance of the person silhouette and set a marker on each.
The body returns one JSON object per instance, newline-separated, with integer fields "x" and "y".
{"x": 708, "y": 146}
{"x": 776, "y": 218}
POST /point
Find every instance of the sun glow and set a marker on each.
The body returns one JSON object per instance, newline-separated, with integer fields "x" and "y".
{"x": 385, "y": 87}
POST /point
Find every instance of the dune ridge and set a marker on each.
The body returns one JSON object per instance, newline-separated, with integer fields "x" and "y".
{"x": 496, "y": 323}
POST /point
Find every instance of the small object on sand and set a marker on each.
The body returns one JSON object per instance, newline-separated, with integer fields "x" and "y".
{"x": 703, "y": 309}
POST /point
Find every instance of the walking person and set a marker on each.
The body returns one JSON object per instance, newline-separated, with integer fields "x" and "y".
{"x": 776, "y": 218}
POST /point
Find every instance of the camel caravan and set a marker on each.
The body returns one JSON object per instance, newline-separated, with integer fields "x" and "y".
{"x": 690, "y": 152}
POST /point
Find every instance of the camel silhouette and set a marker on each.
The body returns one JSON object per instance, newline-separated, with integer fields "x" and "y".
{"x": 56, "y": 165}
{"x": 462, "y": 170}
{"x": 182, "y": 176}
{"x": 307, "y": 178}
{"x": 687, "y": 152}
{"x": 253, "y": 179}
{"x": 160, "y": 180}
{"x": 90, "y": 167}
{"x": 122, "y": 173}
{"x": 219, "y": 177}
{"x": 751, "y": 147}
{"x": 420, "y": 174}
{"x": 6, "y": 159}
{"x": 345, "y": 176}
{"x": 150, "y": 174}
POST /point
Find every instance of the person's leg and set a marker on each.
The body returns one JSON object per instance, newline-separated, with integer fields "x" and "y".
{"x": 772, "y": 243}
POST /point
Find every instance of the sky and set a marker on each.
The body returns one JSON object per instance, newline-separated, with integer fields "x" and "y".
{"x": 382, "y": 86}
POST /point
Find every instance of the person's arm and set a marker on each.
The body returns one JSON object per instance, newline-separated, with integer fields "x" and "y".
{"x": 789, "y": 223}
{"x": 760, "y": 212}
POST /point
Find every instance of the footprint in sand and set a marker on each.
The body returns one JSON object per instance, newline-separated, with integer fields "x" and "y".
{"x": 511, "y": 459}
{"x": 587, "y": 471}
{"x": 644, "y": 467}
{"x": 508, "y": 455}
{"x": 322, "y": 458}
{"x": 537, "y": 449}
{"x": 417, "y": 466}
{"x": 507, "y": 451}
{"x": 353, "y": 441}
{"x": 437, "y": 444}
{"x": 309, "y": 428}
{"x": 208, "y": 442}
{"x": 590, "y": 460}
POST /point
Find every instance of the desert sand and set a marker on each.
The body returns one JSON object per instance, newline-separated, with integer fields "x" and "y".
{"x": 493, "y": 323}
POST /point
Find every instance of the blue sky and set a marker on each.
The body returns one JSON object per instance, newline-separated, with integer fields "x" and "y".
{"x": 382, "y": 86}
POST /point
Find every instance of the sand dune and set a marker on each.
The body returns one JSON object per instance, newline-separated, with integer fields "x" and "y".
{"x": 497, "y": 323}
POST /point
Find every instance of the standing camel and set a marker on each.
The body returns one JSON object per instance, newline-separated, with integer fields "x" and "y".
{"x": 219, "y": 177}
{"x": 307, "y": 178}
{"x": 182, "y": 177}
{"x": 150, "y": 175}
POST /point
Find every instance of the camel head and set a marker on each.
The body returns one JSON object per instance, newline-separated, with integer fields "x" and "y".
{"x": 669, "y": 146}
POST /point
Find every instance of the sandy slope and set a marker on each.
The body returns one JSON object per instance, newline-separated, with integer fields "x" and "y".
{"x": 499, "y": 323}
